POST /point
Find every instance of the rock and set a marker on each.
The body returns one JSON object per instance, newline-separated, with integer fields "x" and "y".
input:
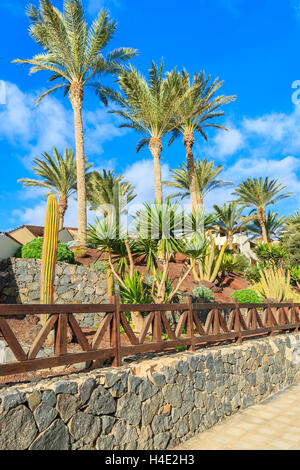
{"x": 147, "y": 390}
{"x": 17, "y": 429}
{"x": 129, "y": 408}
{"x": 145, "y": 441}
{"x": 44, "y": 415}
{"x": 107, "y": 423}
{"x": 172, "y": 395}
{"x": 34, "y": 399}
{"x": 70, "y": 388}
{"x": 133, "y": 383}
{"x": 10, "y": 400}
{"x": 150, "y": 408}
{"x": 105, "y": 443}
{"x": 67, "y": 405}
{"x": 85, "y": 426}
{"x": 49, "y": 397}
{"x": 86, "y": 389}
{"x": 56, "y": 437}
{"x": 101, "y": 402}
{"x": 161, "y": 440}
{"x": 159, "y": 380}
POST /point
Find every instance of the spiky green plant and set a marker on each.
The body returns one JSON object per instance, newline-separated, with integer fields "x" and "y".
{"x": 49, "y": 252}
{"x": 274, "y": 284}
{"x": 210, "y": 265}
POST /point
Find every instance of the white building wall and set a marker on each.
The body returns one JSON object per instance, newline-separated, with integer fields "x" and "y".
{"x": 8, "y": 247}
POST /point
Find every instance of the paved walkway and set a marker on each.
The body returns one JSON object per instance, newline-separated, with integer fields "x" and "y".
{"x": 271, "y": 425}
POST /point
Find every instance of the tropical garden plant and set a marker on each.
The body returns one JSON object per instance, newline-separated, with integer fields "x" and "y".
{"x": 196, "y": 112}
{"x": 149, "y": 108}
{"x": 230, "y": 221}
{"x": 273, "y": 224}
{"x": 58, "y": 175}
{"x": 206, "y": 177}
{"x": 257, "y": 194}
{"x": 73, "y": 55}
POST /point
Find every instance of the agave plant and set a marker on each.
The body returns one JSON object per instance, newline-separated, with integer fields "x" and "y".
{"x": 275, "y": 284}
{"x": 210, "y": 264}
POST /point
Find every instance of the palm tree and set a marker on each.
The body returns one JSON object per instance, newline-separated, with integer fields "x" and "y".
{"x": 197, "y": 110}
{"x": 149, "y": 108}
{"x": 59, "y": 176}
{"x": 274, "y": 225}
{"x": 206, "y": 180}
{"x": 259, "y": 194}
{"x": 230, "y": 220}
{"x": 73, "y": 55}
{"x": 102, "y": 190}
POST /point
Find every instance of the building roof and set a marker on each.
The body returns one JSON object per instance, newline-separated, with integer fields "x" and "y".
{"x": 9, "y": 236}
{"x": 36, "y": 230}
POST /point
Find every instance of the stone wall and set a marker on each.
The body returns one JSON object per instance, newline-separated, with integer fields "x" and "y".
{"x": 20, "y": 283}
{"x": 148, "y": 405}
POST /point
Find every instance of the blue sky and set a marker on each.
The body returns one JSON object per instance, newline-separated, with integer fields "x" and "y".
{"x": 252, "y": 46}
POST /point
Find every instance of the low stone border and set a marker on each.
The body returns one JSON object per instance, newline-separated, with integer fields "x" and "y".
{"x": 147, "y": 405}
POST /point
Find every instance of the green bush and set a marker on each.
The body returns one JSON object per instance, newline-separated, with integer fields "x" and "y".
{"x": 99, "y": 267}
{"x": 203, "y": 292}
{"x": 252, "y": 274}
{"x": 234, "y": 263}
{"x": 270, "y": 254}
{"x": 33, "y": 250}
{"x": 246, "y": 296}
{"x": 295, "y": 275}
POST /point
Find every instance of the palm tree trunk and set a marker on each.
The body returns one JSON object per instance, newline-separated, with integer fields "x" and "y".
{"x": 76, "y": 98}
{"x": 155, "y": 148}
{"x": 188, "y": 141}
{"x": 62, "y": 207}
{"x": 262, "y": 222}
{"x": 230, "y": 240}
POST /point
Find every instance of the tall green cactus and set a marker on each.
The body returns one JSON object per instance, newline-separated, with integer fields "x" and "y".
{"x": 49, "y": 252}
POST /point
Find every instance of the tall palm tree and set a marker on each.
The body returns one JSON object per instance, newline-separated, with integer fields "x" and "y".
{"x": 230, "y": 220}
{"x": 73, "y": 55}
{"x": 102, "y": 190}
{"x": 59, "y": 176}
{"x": 196, "y": 112}
{"x": 274, "y": 226}
{"x": 206, "y": 180}
{"x": 258, "y": 194}
{"x": 149, "y": 108}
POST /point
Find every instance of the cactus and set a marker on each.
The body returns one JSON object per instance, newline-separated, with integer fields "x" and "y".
{"x": 274, "y": 284}
{"x": 212, "y": 261}
{"x": 49, "y": 252}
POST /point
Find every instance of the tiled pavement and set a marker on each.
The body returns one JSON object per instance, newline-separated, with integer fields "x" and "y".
{"x": 271, "y": 425}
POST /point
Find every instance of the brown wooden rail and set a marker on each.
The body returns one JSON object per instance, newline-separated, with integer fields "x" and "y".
{"x": 224, "y": 322}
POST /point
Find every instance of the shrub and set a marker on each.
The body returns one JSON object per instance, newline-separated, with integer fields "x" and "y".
{"x": 34, "y": 248}
{"x": 295, "y": 275}
{"x": 270, "y": 254}
{"x": 203, "y": 292}
{"x": 80, "y": 252}
{"x": 99, "y": 267}
{"x": 252, "y": 274}
{"x": 246, "y": 296}
{"x": 234, "y": 263}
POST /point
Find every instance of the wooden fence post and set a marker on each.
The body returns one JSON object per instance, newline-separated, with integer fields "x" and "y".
{"x": 60, "y": 340}
{"x": 115, "y": 333}
{"x": 190, "y": 325}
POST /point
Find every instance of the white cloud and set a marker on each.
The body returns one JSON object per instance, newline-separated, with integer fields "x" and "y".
{"x": 140, "y": 174}
{"x": 36, "y": 129}
{"x": 225, "y": 143}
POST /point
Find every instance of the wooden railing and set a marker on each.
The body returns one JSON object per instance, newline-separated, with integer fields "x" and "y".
{"x": 224, "y": 322}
